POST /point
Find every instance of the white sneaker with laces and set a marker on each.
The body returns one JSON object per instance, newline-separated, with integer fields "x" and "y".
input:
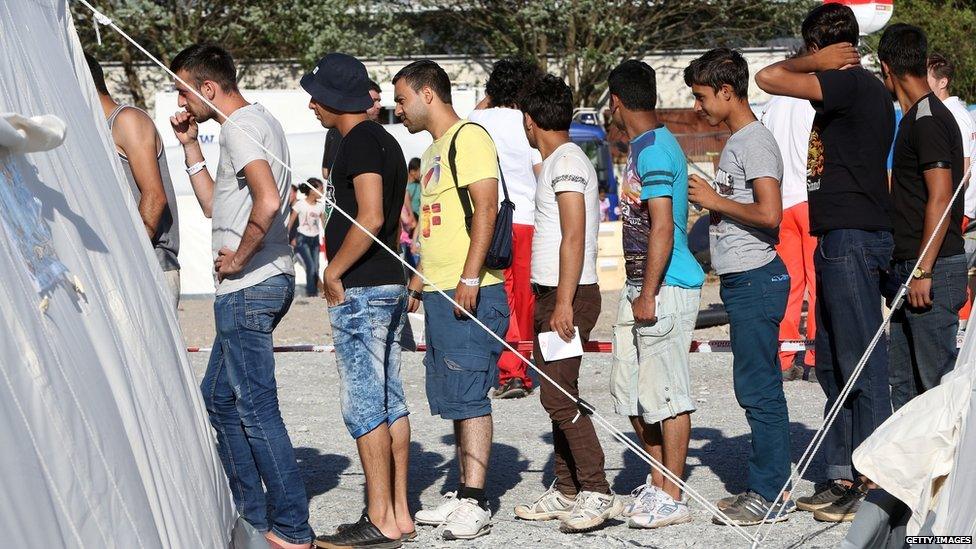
{"x": 666, "y": 513}
{"x": 468, "y": 521}
{"x": 550, "y": 505}
{"x": 591, "y": 510}
{"x": 438, "y": 515}
{"x": 645, "y": 500}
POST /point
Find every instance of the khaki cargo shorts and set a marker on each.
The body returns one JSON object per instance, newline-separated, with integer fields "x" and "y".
{"x": 649, "y": 377}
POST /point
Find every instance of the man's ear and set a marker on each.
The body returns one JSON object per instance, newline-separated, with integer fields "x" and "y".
{"x": 427, "y": 94}
{"x": 727, "y": 92}
{"x": 209, "y": 89}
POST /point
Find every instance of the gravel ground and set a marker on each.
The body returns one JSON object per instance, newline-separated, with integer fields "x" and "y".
{"x": 521, "y": 461}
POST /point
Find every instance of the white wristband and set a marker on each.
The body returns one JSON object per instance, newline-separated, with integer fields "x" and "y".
{"x": 196, "y": 168}
{"x": 471, "y": 281}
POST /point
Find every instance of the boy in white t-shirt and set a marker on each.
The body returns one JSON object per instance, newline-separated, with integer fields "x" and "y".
{"x": 519, "y": 164}
{"x": 564, "y": 280}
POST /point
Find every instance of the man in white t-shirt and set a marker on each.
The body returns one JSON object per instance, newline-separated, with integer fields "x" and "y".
{"x": 564, "y": 280}
{"x": 519, "y": 165}
{"x": 940, "y": 73}
{"x": 790, "y": 120}
{"x": 247, "y": 202}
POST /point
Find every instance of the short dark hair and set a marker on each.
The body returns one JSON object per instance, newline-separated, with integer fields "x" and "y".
{"x": 941, "y": 66}
{"x": 718, "y": 67}
{"x": 414, "y": 164}
{"x": 509, "y": 77}
{"x": 314, "y": 181}
{"x": 373, "y": 86}
{"x": 97, "y": 75}
{"x": 904, "y": 49}
{"x": 549, "y": 102}
{"x": 207, "y": 62}
{"x": 635, "y": 83}
{"x": 829, "y": 24}
{"x": 425, "y": 72}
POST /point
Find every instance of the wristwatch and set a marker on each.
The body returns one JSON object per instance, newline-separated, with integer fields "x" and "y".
{"x": 921, "y": 273}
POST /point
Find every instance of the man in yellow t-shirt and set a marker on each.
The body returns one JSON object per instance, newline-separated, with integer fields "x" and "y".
{"x": 462, "y": 358}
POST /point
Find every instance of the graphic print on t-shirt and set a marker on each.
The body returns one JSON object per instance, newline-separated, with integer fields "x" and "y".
{"x": 815, "y": 160}
{"x": 636, "y": 221}
{"x": 723, "y": 186}
{"x": 429, "y": 215}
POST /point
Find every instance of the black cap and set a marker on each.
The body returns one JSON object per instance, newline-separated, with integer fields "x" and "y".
{"x": 340, "y": 82}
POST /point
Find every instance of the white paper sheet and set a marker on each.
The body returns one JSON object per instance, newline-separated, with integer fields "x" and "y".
{"x": 555, "y": 348}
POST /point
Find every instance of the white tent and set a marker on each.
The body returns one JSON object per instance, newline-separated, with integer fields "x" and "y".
{"x": 104, "y": 437}
{"x": 924, "y": 453}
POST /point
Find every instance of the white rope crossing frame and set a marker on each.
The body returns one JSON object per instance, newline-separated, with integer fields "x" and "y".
{"x": 804, "y": 463}
{"x": 584, "y": 406}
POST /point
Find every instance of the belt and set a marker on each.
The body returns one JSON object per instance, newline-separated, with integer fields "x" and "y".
{"x": 539, "y": 290}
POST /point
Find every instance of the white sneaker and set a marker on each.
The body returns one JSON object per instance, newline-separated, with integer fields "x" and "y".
{"x": 550, "y": 505}
{"x": 591, "y": 510}
{"x": 439, "y": 514}
{"x": 468, "y": 521}
{"x": 645, "y": 500}
{"x": 665, "y": 513}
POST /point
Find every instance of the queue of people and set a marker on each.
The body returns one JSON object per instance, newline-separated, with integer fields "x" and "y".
{"x": 800, "y": 204}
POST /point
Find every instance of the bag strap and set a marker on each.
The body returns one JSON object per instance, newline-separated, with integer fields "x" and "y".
{"x": 463, "y": 194}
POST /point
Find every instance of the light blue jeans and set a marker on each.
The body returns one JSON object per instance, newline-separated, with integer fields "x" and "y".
{"x": 366, "y": 330}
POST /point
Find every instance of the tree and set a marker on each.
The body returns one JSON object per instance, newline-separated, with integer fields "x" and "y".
{"x": 950, "y": 26}
{"x": 586, "y": 38}
{"x": 251, "y": 30}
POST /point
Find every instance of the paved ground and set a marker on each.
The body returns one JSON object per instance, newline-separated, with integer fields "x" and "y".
{"x": 521, "y": 464}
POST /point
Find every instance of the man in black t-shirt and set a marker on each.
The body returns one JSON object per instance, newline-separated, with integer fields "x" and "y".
{"x": 333, "y": 137}
{"x": 850, "y": 213}
{"x": 366, "y": 291}
{"x": 927, "y": 167}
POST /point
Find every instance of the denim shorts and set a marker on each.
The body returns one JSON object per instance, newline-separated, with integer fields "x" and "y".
{"x": 366, "y": 330}
{"x": 649, "y": 376}
{"x": 462, "y": 358}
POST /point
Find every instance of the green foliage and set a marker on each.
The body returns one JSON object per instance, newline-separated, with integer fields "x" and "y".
{"x": 951, "y": 29}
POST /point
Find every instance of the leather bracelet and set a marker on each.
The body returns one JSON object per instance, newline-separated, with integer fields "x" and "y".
{"x": 471, "y": 282}
{"x": 419, "y": 296}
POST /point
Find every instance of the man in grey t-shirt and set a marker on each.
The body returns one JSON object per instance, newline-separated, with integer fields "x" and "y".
{"x": 745, "y": 204}
{"x": 255, "y": 286}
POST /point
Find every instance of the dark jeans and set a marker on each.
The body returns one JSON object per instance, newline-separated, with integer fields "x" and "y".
{"x": 578, "y": 454}
{"x": 755, "y": 301}
{"x": 850, "y": 264}
{"x": 923, "y": 341}
{"x": 307, "y": 248}
{"x": 241, "y": 396}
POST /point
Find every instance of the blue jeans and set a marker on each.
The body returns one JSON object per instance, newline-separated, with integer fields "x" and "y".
{"x": 923, "y": 342}
{"x": 462, "y": 358}
{"x": 241, "y": 396}
{"x": 755, "y": 301}
{"x": 366, "y": 330}
{"x": 307, "y": 248}
{"x": 850, "y": 264}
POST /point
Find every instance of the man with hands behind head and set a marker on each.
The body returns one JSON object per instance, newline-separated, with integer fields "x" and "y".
{"x": 850, "y": 213}
{"x": 255, "y": 286}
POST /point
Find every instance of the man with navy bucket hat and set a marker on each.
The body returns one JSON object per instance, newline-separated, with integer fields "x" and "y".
{"x": 367, "y": 297}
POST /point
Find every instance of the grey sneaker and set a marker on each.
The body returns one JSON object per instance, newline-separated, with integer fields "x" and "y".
{"x": 591, "y": 510}
{"x": 513, "y": 388}
{"x": 823, "y": 495}
{"x": 843, "y": 509}
{"x": 550, "y": 505}
{"x": 750, "y": 508}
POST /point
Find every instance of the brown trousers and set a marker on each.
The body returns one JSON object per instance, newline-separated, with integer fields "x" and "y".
{"x": 578, "y": 454}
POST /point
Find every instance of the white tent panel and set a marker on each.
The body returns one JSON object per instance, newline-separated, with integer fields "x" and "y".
{"x": 104, "y": 437}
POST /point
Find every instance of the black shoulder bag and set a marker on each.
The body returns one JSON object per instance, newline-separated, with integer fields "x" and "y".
{"x": 500, "y": 250}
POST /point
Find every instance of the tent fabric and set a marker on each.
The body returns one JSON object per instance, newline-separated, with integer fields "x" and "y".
{"x": 104, "y": 436}
{"x": 923, "y": 454}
